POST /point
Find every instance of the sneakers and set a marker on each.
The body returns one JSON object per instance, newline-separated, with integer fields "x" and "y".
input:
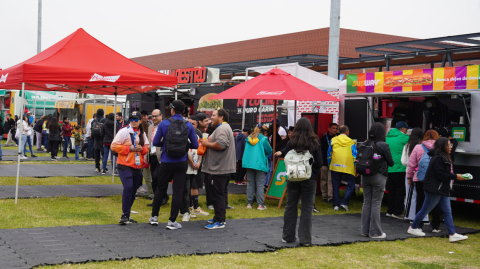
{"x": 335, "y": 208}
{"x": 116, "y": 173}
{"x": 104, "y": 172}
{"x": 389, "y": 215}
{"x": 126, "y": 220}
{"x": 216, "y": 225}
{"x": 379, "y": 237}
{"x": 210, "y": 221}
{"x": 436, "y": 231}
{"x": 53, "y": 159}
{"x": 141, "y": 190}
{"x": 174, "y": 225}
{"x": 23, "y": 158}
{"x": 344, "y": 207}
{"x": 457, "y": 237}
{"x": 34, "y": 156}
{"x": 315, "y": 210}
{"x": 66, "y": 157}
{"x": 210, "y": 207}
{"x": 243, "y": 183}
{"x": 417, "y": 232}
{"x": 97, "y": 170}
{"x": 153, "y": 220}
{"x": 229, "y": 207}
{"x": 199, "y": 211}
{"x": 260, "y": 207}
{"x": 186, "y": 217}
{"x": 249, "y": 206}
{"x": 397, "y": 217}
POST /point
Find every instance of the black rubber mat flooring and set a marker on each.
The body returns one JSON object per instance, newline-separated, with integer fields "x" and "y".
{"x": 44, "y": 191}
{"x": 23, "y": 248}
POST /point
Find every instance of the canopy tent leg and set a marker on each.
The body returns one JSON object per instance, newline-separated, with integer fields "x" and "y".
{"x": 20, "y": 143}
{"x": 114, "y": 159}
{"x": 260, "y": 113}
{"x": 295, "y": 114}
{"x": 274, "y": 134}
{"x": 105, "y": 109}
{"x": 94, "y": 99}
{"x": 243, "y": 115}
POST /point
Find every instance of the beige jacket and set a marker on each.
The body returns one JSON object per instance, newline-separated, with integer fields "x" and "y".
{"x": 150, "y": 138}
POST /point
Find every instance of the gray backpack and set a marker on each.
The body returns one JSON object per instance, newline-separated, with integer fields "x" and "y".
{"x": 298, "y": 165}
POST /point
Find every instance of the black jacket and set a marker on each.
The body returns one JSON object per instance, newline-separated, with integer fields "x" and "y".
{"x": 317, "y": 159}
{"x": 383, "y": 150}
{"x": 55, "y": 136}
{"x": 439, "y": 175}
{"x": 325, "y": 145}
{"x": 98, "y": 141}
{"x": 9, "y": 124}
{"x": 108, "y": 133}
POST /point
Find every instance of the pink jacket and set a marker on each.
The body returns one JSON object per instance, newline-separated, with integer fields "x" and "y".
{"x": 415, "y": 157}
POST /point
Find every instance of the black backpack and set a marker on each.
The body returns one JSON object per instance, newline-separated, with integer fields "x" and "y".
{"x": 177, "y": 144}
{"x": 97, "y": 128}
{"x": 367, "y": 162}
{"x": 38, "y": 126}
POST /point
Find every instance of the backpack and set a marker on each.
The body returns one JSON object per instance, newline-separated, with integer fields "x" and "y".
{"x": 38, "y": 126}
{"x": 367, "y": 162}
{"x": 423, "y": 164}
{"x": 298, "y": 165}
{"x": 177, "y": 145}
{"x": 97, "y": 128}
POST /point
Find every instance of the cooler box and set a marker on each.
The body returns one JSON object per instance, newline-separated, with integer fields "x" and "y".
{"x": 388, "y": 105}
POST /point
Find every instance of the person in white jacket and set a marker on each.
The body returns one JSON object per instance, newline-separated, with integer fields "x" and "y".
{"x": 26, "y": 130}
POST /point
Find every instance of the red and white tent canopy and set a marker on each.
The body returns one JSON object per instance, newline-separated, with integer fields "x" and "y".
{"x": 81, "y": 63}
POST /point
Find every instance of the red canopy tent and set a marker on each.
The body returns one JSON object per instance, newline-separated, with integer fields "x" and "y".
{"x": 80, "y": 63}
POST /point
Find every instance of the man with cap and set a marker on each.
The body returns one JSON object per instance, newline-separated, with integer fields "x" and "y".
{"x": 402, "y": 112}
{"x": 438, "y": 113}
{"x": 397, "y": 138}
{"x": 172, "y": 168}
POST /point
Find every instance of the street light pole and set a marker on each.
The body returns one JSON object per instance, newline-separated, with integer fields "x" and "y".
{"x": 334, "y": 39}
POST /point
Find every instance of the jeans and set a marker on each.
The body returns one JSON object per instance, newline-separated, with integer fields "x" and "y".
{"x": 90, "y": 148}
{"x": 29, "y": 142}
{"x": 436, "y": 211}
{"x": 39, "y": 140}
{"x": 45, "y": 139}
{"x": 77, "y": 149}
{"x": 23, "y": 146}
{"x": 66, "y": 142}
{"x": 131, "y": 182}
{"x": 326, "y": 183}
{"x": 255, "y": 185}
{"x": 373, "y": 189}
{"x": 306, "y": 189}
{"x": 396, "y": 193}
{"x": 336, "y": 180}
{"x": 431, "y": 200}
{"x": 106, "y": 151}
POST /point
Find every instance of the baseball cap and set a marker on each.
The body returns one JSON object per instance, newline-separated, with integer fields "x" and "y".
{"x": 135, "y": 115}
{"x": 401, "y": 124}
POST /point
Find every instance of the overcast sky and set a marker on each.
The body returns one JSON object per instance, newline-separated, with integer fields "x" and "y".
{"x": 144, "y": 27}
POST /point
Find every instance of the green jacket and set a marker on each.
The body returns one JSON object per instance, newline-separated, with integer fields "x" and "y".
{"x": 397, "y": 140}
{"x": 256, "y": 153}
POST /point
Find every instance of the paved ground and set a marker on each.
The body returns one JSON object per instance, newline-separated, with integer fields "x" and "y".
{"x": 50, "y": 170}
{"x": 24, "y": 248}
{"x": 44, "y": 191}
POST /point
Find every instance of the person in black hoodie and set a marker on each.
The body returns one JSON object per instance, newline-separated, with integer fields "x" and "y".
{"x": 437, "y": 186}
{"x": 54, "y": 137}
{"x": 240, "y": 140}
{"x": 326, "y": 178}
{"x": 108, "y": 135}
{"x": 98, "y": 140}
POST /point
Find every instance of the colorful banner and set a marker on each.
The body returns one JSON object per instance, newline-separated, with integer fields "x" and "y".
{"x": 436, "y": 79}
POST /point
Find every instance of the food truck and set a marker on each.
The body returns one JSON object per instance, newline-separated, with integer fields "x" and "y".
{"x": 371, "y": 97}
{"x": 80, "y": 111}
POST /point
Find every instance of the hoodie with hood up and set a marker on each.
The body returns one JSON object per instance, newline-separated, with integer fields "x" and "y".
{"x": 397, "y": 141}
{"x": 240, "y": 140}
{"x": 256, "y": 153}
{"x": 341, "y": 154}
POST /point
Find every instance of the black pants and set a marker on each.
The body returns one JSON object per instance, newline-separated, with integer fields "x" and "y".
{"x": 97, "y": 153}
{"x": 225, "y": 190}
{"x": 54, "y": 148}
{"x": 167, "y": 172}
{"x": 240, "y": 172}
{"x": 186, "y": 194}
{"x": 436, "y": 212}
{"x": 208, "y": 189}
{"x": 153, "y": 160}
{"x": 217, "y": 187}
{"x": 396, "y": 193}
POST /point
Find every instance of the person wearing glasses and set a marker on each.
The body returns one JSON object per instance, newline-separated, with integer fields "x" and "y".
{"x": 131, "y": 144}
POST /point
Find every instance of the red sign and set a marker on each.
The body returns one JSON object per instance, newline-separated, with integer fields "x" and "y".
{"x": 190, "y": 75}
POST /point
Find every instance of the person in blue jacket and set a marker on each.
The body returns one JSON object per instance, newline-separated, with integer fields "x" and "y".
{"x": 240, "y": 140}
{"x": 255, "y": 160}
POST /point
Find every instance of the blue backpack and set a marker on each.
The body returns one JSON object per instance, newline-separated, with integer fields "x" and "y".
{"x": 423, "y": 164}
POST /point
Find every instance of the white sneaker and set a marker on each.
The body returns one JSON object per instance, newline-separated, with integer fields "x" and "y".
{"x": 436, "y": 231}
{"x": 153, "y": 220}
{"x": 397, "y": 217}
{"x": 457, "y": 237}
{"x": 261, "y": 207}
{"x": 173, "y": 225}
{"x": 417, "y": 232}
{"x": 210, "y": 207}
{"x": 186, "y": 217}
{"x": 389, "y": 215}
{"x": 141, "y": 190}
{"x": 23, "y": 158}
{"x": 249, "y": 206}
{"x": 335, "y": 208}
{"x": 199, "y": 211}
{"x": 379, "y": 237}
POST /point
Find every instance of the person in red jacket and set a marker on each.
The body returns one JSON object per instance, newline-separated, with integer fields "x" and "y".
{"x": 66, "y": 133}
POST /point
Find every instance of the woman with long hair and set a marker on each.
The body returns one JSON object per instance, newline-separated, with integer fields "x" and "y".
{"x": 437, "y": 185}
{"x": 255, "y": 160}
{"x": 411, "y": 194}
{"x": 25, "y": 128}
{"x": 374, "y": 185}
{"x": 108, "y": 135}
{"x": 45, "y": 132}
{"x": 303, "y": 140}
{"x": 54, "y": 137}
{"x": 131, "y": 144}
{"x": 418, "y": 151}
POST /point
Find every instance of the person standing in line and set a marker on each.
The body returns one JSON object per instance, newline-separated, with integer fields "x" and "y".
{"x": 54, "y": 137}
{"x": 240, "y": 140}
{"x": 67, "y": 134}
{"x": 437, "y": 185}
{"x": 108, "y": 135}
{"x": 97, "y": 126}
{"x": 303, "y": 140}
{"x": 90, "y": 138}
{"x": 374, "y": 185}
{"x": 153, "y": 157}
{"x": 172, "y": 135}
{"x": 219, "y": 164}
{"x": 131, "y": 144}
{"x": 326, "y": 177}
{"x": 257, "y": 150}
{"x": 202, "y": 120}
{"x": 78, "y": 140}
{"x": 31, "y": 123}
{"x": 146, "y": 166}
{"x": 341, "y": 160}
{"x": 397, "y": 138}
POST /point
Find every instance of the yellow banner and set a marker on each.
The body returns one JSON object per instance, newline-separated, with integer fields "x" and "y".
{"x": 65, "y": 104}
